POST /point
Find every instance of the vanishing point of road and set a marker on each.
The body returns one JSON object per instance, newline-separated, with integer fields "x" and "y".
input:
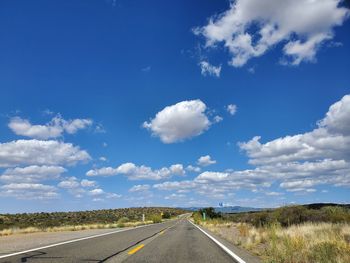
{"x": 173, "y": 241}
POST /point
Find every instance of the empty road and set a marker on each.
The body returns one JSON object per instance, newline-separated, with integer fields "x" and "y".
{"x": 172, "y": 241}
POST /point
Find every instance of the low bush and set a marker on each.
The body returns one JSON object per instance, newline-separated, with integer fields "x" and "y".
{"x": 156, "y": 218}
{"x": 103, "y": 217}
{"x": 291, "y": 215}
{"x": 166, "y": 215}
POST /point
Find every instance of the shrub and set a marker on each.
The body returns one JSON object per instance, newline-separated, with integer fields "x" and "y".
{"x": 166, "y": 215}
{"x": 123, "y": 219}
{"x": 156, "y": 218}
{"x": 197, "y": 217}
{"x": 209, "y": 212}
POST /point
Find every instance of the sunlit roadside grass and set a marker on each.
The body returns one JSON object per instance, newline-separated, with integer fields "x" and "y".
{"x": 307, "y": 242}
{"x": 27, "y": 230}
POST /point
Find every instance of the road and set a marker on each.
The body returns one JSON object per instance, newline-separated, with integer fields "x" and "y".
{"x": 172, "y": 241}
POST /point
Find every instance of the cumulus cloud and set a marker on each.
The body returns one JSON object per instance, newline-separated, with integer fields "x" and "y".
{"x": 53, "y": 129}
{"x": 139, "y": 188}
{"x": 97, "y": 191}
{"x": 69, "y": 183}
{"x": 175, "y": 197}
{"x": 249, "y": 28}
{"x": 209, "y": 70}
{"x": 192, "y": 168}
{"x": 296, "y": 163}
{"x": 32, "y": 174}
{"x": 104, "y": 171}
{"x": 36, "y": 152}
{"x": 134, "y": 172}
{"x": 113, "y": 195}
{"x": 205, "y": 160}
{"x": 178, "y": 122}
{"x": 88, "y": 183}
{"x": 81, "y": 188}
{"x": 331, "y": 140}
{"x": 232, "y": 109}
{"x": 28, "y": 191}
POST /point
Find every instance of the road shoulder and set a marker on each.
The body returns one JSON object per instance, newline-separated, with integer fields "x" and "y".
{"x": 242, "y": 253}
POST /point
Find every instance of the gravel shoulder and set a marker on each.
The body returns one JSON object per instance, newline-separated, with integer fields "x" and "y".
{"x": 20, "y": 242}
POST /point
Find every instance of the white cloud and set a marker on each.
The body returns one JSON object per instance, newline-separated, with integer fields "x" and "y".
{"x": 175, "y": 185}
{"x": 205, "y": 160}
{"x": 296, "y": 163}
{"x": 69, "y": 183}
{"x": 218, "y": 119}
{"x": 274, "y": 193}
{"x": 104, "y": 171}
{"x": 97, "y": 191}
{"x": 88, "y": 183}
{"x": 209, "y": 70}
{"x": 52, "y": 129}
{"x": 178, "y": 122}
{"x": 177, "y": 169}
{"x": 232, "y": 109}
{"x": 175, "y": 197}
{"x": 195, "y": 169}
{"x": 139, "y": 188}
{"x": 32, "y": 174}
{"x": 134, "y": 172}
{"x": 36, "y": 152}
{"x": 113, "y": 195}
{"x": 103, "y": 159}
{"x": 27, "y": 191}
{"x": 331, "y": 140}
{"x": 78, "y": 189}
{"x": 99, "y": 195}
{"x": 249, "y": 28}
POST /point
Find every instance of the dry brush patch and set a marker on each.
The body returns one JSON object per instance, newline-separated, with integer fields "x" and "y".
{"x": 304, "y": 243}
{"x": 82, "y": 220}
{"x": 27, "y": 230}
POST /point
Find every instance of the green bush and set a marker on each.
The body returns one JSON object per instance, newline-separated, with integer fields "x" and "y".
{"x": 291, "y": 215}
{"x": 166, "y": 215}
{"x": 209, "y": 213}
{"x": 326, "y": 252}
{"x": 156, "y": 218}
{"x": 104, "y": 216}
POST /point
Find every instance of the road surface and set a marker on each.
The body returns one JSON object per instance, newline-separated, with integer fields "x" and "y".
{"x": 172, "y": 241}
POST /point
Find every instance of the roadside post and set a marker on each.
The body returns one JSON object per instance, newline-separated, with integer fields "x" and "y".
{"x": 143, "y": 217}
{"x": 204, "y": 216}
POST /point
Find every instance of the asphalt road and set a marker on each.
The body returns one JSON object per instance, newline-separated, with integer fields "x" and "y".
{"x": 173, "y": 241}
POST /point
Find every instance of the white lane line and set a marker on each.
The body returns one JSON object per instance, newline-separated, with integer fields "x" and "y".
{"x": 228, "y": 251}
{"x": 74, "y": 240}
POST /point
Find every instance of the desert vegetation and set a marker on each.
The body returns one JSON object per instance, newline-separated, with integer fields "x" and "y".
{"x": 293, "y": 234}
{"x": 73, "y": 221}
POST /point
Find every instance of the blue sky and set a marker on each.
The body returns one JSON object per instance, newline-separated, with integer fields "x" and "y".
{"x": 108, "y": 104}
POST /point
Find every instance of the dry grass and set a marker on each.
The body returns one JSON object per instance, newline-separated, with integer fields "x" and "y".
{"x": 305, "y": 243}
{"x": 27, "y": 230}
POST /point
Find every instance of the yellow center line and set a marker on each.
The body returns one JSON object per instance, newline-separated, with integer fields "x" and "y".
{"x": 133, "y": 251}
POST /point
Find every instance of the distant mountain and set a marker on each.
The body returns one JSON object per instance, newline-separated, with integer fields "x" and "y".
{"x": 236, "y": 209}
{"x": 227, "y": 209}
{"x": 320, "y": 205}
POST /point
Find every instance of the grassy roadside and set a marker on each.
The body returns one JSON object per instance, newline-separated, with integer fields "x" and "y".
{"x": 27, "y": 230}
{"x": 307, "y": 242}
{"x": 77, "y": 221}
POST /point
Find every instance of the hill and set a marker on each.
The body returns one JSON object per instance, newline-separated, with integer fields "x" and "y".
{"x": 105, "y": 216}
{"x": 227, "y": 209}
